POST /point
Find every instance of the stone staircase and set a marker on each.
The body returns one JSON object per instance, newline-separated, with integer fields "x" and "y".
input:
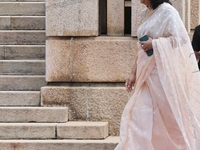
{"x": 24, "y": 123}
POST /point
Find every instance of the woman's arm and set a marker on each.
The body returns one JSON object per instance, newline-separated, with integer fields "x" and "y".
{"x": 131, "y": 79}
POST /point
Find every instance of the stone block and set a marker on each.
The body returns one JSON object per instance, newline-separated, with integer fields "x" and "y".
{"x": 115, "y": 17}
{"x": 22, "y": 0}
{"x": 92, "y": 60}
{"x": 33, "y": 114}
{"x": 19, "y": 98}
{"x": 89, "y": 103}
{"x": 82, "y": 130}
{"x": 4, "y": 22}
{"x": 72, "y": 18}
{"x": 22, "y": 9}
{"x": 58, "y": 60}
{"x": 27, "y": 130}
{"x": 74, "y": 98}
{"x": 188, "y": 16}
{"x": 22, "y": 67}
{"x": 180, "y": 6}
{"x": 18, "y": 52}
{"x": 21, "y": 83}
{"x": 2, "y": 52}
{"x": 137, "y": 9}
{"x": 20, "y": 37}
{"x": 108, "y": 144}
{"x": 195, "y": 13}
{"x": 27, "y": 23}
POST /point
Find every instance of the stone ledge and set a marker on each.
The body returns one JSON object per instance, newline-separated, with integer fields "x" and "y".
{"x": 89, "y": 60}
{"x": 108, "y": 144}
{"x": 21, "y": 83}
{"x": 19, "y": 98}
{"x": 82, "y": 130}
{"x": 27, "y": 130}
{"x": 33, "y": 114}
{"x": 89, "y": 103}
{"x": 22, "y": 9}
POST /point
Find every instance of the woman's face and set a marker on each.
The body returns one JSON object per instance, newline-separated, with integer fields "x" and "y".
{"x": 146, "y": 2}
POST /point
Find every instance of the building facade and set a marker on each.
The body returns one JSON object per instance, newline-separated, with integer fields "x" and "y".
{"x": 90, "y": 48}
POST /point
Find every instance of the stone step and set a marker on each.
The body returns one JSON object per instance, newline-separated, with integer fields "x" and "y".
{"x": 22, "y": 9}
{"x": 22, "y": 22}
{"x": 108, "y": 144}
{"x": 22, "y": 37}
{"x": 82, "y": 130}
{"x": 22, "y": 0}
{"x": 28, "y": 130}
{"x": 22, "y": 67}
{"x": 33, "y": 114}
{"x": 91, "y": 130}
{"x": 19, "y": 98}
{"x": 21, "y": 83}
{"x": 18, "y": 52}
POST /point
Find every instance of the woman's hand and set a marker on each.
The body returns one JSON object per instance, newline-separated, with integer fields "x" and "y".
{"x": 147, "y": 45}
{"x": 129, "y": 82}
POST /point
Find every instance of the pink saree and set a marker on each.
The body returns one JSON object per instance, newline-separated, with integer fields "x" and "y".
{"x": 164, "y": 111}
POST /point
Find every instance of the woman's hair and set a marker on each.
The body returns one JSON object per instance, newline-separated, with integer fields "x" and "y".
{"x": 156, "y": 3}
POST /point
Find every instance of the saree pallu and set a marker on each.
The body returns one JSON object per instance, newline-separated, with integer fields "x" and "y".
{"x": 164, "y": 111}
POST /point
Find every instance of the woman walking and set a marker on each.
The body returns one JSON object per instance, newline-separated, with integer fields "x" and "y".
{"x": 164, "y": 111}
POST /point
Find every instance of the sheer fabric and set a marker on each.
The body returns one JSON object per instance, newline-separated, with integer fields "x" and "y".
{"x": 164, "y": 111}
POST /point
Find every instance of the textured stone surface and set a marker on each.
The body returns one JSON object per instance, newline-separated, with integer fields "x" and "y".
{"x": 27, "y": 130}
{"x": 137, "y": 9}
{"x": 195, "y": 13}
{"x": 22, "y": 9}
{"x": 22, "y": 0}
{"x": 191, "y": 35}
{"x": 19, "y": 98}
{"x": 22, "y": 22}
{"x": 22, "y": 52}
{"x": 74, "y": 98}
{"x": 92, "y": 60}
{"x": 2, "y": 52}
{"x": 58, "y": 62}
{"x": 21, "y": 83}
{"x": 22, "y": 67}
{"x": 89, "y": 103}
{"x": 20, "y": 37}
{"x": 108, "y": 144}
{"x": 82, "y": 130}
{"x": 72, "y": 18}
{"x": 4, "y": 22}
{"x": 180, "y": 6}
{"x": 188, "y": 15}
{"x": 33, "y": 114}
{"x": 115, "y": 17}
{"x": 28, "y": 23}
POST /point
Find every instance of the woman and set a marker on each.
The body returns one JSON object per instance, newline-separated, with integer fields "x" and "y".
{"x": 164, "y": 111}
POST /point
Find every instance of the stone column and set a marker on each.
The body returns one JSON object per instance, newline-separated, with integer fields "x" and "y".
{"x": 195, "y": 11}
{"x": 188, "y": 15}
{"x": 115, "y": 17}
{"x": 180, "y": 6}
{"x": 137, "y": 9}
{"x": 72, "y": 18}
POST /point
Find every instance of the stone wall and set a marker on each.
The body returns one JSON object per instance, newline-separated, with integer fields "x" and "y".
{"x": 89, "y": 57}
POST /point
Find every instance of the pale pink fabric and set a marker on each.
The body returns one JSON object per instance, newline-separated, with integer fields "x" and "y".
{"x": 164, "y": 111}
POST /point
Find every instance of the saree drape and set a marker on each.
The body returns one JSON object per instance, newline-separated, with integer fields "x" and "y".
{"x": 164, "y": 111}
